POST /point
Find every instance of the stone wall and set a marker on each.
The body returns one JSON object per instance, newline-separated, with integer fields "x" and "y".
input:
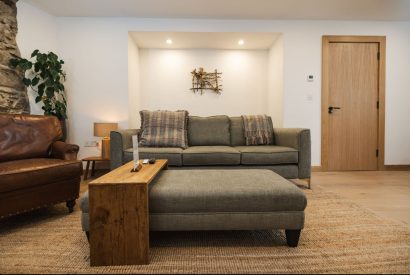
{"x": 13, "y": 93}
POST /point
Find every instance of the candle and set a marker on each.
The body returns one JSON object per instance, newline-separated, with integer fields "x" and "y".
{"x": 135, "y": 152}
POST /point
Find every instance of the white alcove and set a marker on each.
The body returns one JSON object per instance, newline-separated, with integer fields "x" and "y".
{"x": 159, "y": 73}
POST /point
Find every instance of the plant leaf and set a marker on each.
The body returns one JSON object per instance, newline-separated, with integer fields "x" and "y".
{"x": 36, "y": 67}
{"x": 35, "y": 52}
{"x": 35, "y": 81}
{"x": 41, "y": 89}
{"x": 13, "y": 62}
{"x": 26, "y": 81}
{"x": 50, "y": 92}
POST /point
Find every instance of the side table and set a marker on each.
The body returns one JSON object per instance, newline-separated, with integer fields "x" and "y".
{"x": 92, "y": 160}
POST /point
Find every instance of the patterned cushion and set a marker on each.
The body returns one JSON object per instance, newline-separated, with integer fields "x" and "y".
{"x": 164, "y": 129}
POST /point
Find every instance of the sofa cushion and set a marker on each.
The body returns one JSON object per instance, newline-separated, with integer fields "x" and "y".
{"x": 27, "y": 136}
{"x": 164, "y": 128}
{"x": 237, "y": 131}
{"x": 211, "y": 155}
{"x": 267, "y": 154}
{"x": 219, "y": 191}
{"x": 26, "y": 173}
{"x": 172, "y": 154}
{"x": 208, "y": 131}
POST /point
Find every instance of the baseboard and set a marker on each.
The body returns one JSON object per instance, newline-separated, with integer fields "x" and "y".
{"x": 397, "y": 167}
{"x": 316, "y": 168}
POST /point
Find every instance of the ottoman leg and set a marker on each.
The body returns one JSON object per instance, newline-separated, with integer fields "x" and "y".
{"x": 292, "y": 237}
{"x": 87, "y": 233}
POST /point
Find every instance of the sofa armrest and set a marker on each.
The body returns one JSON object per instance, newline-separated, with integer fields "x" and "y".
{"x": 298, "y": 139}
{"x": 119, "y": 141}
{"x": 65, "y": 151}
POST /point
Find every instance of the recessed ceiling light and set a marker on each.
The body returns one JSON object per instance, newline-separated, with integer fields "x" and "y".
{"x": 241, "y": 42}
{"x": 169, "y": 41}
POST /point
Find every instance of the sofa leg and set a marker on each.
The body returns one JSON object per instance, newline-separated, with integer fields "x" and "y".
{"x": 70, "y": 206}
{"x": 308, "y": 181}
{"x": 292, "y": 237}
{"x": 87, "y": 233}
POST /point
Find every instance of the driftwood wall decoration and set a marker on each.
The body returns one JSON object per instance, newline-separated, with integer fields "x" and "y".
{"x": 202, "y": 80}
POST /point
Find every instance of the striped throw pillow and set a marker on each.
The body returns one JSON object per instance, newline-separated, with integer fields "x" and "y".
{"x": 164, "y": 129}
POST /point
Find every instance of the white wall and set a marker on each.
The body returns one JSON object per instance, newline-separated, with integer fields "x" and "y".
{"x": 36, "y": 30}
{"x": 275, "y": 82}
{"x": 134, "y": 98}
{"x": 302, "y": 56}
{"x": 166, "y": 81}
{"x": 95, "y": 50}
{"x": 96, "y": 55}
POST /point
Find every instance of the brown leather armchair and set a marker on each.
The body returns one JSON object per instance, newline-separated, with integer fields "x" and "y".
{"x": 36, "y": 170}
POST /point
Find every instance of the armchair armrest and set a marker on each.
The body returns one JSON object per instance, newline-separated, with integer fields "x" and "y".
{"x": 298, "y": 139}
{"x": 119, "y": 141}
{"x": 65, "y": 151}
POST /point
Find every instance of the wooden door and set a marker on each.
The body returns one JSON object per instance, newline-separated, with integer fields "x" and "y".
{"x": 352, "y": 105}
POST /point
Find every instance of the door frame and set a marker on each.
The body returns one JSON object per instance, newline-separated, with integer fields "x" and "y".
{"x": 326, "y": 39}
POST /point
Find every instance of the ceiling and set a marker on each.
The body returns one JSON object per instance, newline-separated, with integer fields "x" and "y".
{"x": 390, "y": 10}
{"x": 204, "y": 40}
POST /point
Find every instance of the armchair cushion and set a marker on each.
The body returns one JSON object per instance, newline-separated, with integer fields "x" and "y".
{"x": 26, "y": 173}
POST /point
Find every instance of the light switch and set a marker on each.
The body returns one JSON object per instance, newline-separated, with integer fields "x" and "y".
{"x": 310, "y": 78}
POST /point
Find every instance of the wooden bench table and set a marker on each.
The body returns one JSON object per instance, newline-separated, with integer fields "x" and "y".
{"x": 119, "y": 215}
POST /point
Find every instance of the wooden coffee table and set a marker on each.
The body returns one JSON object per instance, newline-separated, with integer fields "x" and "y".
{"x": 119, "y": 216}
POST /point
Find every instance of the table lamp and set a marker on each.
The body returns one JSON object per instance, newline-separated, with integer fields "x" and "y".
{"x": 103, "y": 130}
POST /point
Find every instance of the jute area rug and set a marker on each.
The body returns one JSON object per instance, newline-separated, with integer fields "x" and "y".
{"x": 339, "y": 237}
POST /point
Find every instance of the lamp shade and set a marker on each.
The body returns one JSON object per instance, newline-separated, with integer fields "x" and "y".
{"x": 104, "y": 129}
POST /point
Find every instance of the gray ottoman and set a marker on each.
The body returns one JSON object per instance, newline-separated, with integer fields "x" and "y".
{"x": 184, "y": 200}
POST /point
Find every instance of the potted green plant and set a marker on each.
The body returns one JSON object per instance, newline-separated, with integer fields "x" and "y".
{"x": 45, "y": 76}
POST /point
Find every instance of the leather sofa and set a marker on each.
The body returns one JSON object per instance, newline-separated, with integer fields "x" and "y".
{"x": 219, "y": 142}
{"x": 36, "y": 169}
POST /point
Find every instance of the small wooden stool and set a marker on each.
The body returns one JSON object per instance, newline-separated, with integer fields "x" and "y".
{"x": 92, "y": 160}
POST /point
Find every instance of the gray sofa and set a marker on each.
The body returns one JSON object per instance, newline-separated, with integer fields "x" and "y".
{"x": 219, "y": 142}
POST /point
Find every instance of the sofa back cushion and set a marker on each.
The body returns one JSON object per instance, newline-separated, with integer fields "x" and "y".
{"x": 238, "y": 132}
{"x": 208, "y": 131}
{"x": 163, "y": 129}
{"x": 27, "y": 136}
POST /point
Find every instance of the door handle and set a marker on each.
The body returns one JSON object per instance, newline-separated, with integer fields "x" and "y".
{"x": 331, "y": 108}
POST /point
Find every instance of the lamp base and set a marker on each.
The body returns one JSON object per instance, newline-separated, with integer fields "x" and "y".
{"x": 105, "y": 148}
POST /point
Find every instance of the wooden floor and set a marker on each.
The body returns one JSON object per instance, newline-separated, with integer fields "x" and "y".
{"x": 386, "y": 193}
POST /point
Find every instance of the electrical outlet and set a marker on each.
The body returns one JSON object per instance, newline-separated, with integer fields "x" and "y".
{"x": 91, "y": 143}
